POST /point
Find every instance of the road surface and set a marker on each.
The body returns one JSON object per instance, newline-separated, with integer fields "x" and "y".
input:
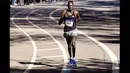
{"x": 37, "y": 44}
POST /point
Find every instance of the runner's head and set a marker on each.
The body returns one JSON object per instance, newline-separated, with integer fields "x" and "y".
{"x": 70, "y": 5}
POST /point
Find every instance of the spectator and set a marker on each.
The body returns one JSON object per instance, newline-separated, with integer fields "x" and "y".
{"x": 26, "y": 2}
{"x": 33, "y": 2}
{"x": 13, "y": 3}
{"x": 21, "y": 2}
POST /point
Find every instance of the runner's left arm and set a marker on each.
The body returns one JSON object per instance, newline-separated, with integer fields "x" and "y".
{"x": 77, "y": 16}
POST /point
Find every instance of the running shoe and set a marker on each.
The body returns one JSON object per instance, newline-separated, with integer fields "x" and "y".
{"x": 74, "y": 62}
{"x": 71, "y": 62}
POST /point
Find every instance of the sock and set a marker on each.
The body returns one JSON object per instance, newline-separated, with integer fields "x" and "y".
{"x": 74, "y": 58}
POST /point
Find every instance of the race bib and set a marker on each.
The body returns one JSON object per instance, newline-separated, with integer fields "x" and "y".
{"x": 69, "y": 23}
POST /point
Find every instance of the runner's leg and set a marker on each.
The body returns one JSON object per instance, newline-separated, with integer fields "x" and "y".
{"x": 68, "y": 39}
{"x": 73, "y": 45}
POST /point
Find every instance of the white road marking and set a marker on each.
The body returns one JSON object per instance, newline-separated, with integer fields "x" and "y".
{"x": 60, "y": 45}
{"x": 32, "y": 18}
{"x": 18, "y": 18}
{"x": 48, "y": 49}
{"x": 104, "y": 47}
{"x": 33, "y": 43}
{"x": 49, "y": 43}
{"x": 50, "y": 56}
{"x": 53, "y": 65}
{"x": 102, "y": 9}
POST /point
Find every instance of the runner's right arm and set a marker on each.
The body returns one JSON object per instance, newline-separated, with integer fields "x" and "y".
{"x": 62, "y": 17}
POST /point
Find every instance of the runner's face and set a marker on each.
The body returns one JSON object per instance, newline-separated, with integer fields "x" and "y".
{"x": 70, "y": 6}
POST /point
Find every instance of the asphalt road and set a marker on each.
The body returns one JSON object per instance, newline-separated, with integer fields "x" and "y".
{"x": 37, "y": 44}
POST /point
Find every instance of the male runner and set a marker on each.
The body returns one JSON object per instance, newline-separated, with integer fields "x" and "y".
{"x": 70, "y": 17}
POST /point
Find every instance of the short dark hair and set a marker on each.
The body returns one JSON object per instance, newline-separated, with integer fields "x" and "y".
{"x": 70, "y": 2}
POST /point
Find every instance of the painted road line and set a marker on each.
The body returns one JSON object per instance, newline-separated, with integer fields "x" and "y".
{"x": 17, "y": 18}
{"x": 49, "y": 49}
{"x": 60, "y": 45}
{"x": 33, "y": 43}
{"x": 104, "y": 47}
{"x": 50, "y": 56}
{"x": 32, "y": 18}
{"x": 49, "y": 43}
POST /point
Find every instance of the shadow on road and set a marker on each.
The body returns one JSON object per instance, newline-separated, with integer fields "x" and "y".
{"x": 105, "y": 3}
{"x": 91, "y": 65}
{"x": 84, "y": 3}
{"x": 89, "y": 19}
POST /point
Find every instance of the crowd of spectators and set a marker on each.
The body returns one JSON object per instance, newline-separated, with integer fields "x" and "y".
{"x": 29, "y": 2}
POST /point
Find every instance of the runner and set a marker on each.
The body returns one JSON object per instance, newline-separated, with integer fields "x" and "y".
{"x": 70, "y": 17}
